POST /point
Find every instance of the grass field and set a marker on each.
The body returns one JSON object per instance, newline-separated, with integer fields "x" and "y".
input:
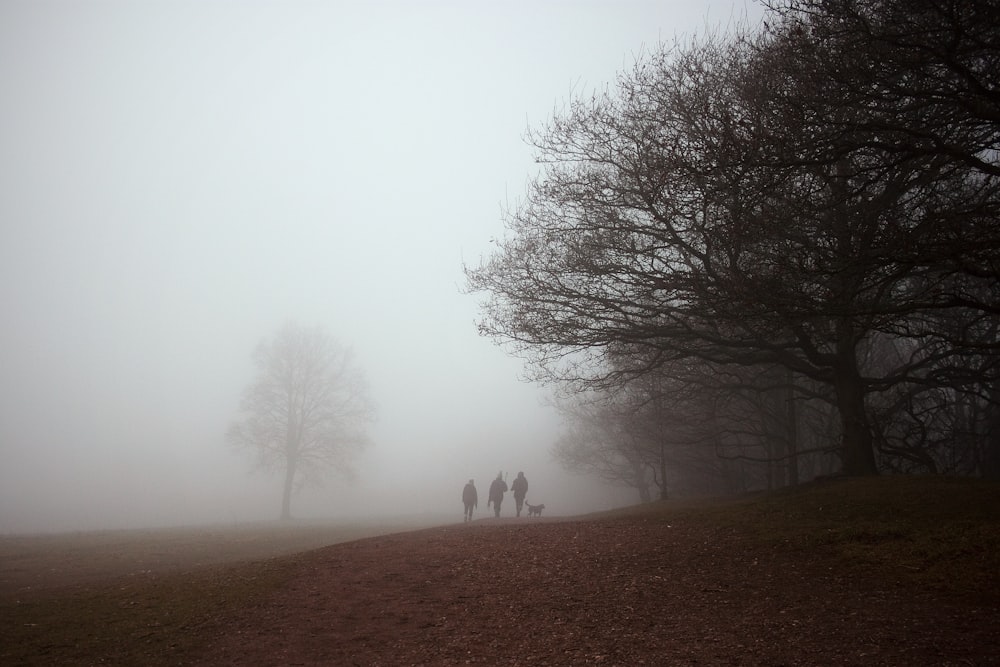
{"x": 67, "y": 598}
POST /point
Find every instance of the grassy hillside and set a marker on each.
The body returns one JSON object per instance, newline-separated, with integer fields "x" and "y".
{"x": 941, "y": 532}
{"x": 927, "y": 532}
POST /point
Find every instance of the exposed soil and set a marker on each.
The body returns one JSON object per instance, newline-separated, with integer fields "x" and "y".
{"x": 636, "y": 591}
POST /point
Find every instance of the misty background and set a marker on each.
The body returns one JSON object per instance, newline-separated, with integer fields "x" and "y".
{"x": 180, "y": 179}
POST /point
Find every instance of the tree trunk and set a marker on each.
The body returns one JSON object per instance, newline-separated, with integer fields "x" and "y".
{"x": 858, "y": 443}
{"x": 663, "y": 470}
{"x": 792, "y": 426}
{"x": 293, "y": 435}
{"x": 991, "y": 455}
{"x": 641, "y": 480}
{"x": 769, "y": 469}
{"x": 286, "y": 492}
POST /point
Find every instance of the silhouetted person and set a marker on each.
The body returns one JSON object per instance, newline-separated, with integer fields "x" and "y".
{"x": 520, "y": 488}
{"x": 471, "y": 499}
{"x": 497, "y": 489}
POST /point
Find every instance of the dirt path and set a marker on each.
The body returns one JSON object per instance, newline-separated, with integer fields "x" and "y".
{"x": 622, "y": 592}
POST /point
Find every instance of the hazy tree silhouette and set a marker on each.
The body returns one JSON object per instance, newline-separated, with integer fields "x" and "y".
{"x": 306, "y": 412}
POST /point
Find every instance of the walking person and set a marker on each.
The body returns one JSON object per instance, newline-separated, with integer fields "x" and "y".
{"x": 497, "y": 489}
{"x": 470, "y": 497}
{"x": 520, "y": 488}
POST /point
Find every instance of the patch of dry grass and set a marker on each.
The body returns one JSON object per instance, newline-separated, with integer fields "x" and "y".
{"x": 146, "y": 620}
{"x": 938, "y": 532}
{"x": 145, "y": 597}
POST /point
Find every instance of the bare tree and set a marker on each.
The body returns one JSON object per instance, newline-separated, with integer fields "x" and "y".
{"x": 597, "y": 442}
{"x": 658, "y": 431}
{"x": 306, "y": 412}
{"x": 758, "y": 201}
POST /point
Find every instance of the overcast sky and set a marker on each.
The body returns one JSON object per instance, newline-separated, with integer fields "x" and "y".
{"x": 179, "y": 179}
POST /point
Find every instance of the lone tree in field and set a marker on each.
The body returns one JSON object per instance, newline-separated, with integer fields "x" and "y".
{"x": 307, "y": 410}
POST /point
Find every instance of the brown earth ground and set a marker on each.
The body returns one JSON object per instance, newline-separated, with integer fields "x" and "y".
{"x": 629, "y": 590}
{"x": 895, "y": 571}
{"x": 615, "y": 592}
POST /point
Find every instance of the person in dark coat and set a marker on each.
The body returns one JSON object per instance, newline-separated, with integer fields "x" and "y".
{"x": 520, "y": 488}
{"x": 497, "y": 489}
{"x": 470, "y": 497}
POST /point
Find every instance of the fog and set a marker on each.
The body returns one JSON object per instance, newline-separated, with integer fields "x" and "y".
{"x": 180, "y": 179}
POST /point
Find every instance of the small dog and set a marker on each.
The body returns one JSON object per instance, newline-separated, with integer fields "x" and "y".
{"x": 535, "y": 510}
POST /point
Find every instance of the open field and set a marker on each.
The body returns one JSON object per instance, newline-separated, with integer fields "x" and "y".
{"x": 881, "y": 571}
{"x": 35, "y": 563}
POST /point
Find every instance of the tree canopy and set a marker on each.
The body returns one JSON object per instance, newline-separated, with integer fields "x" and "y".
{"x": 791, "y": 196}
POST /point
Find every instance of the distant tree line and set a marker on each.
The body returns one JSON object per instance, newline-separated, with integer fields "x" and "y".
{"x": 771, "y": 254}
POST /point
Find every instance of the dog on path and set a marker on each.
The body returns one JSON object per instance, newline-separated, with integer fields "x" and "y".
{"x": 535, "y": 510}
